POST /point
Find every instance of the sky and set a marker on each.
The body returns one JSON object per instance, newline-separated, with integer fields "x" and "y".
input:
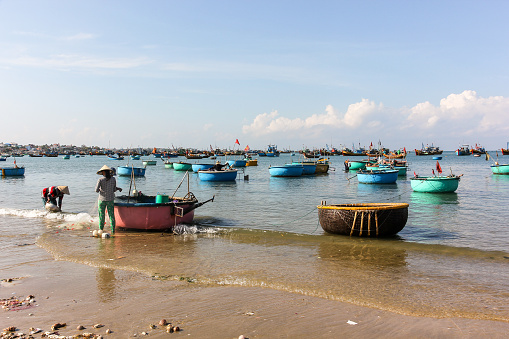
{"x": 292, "y": 73}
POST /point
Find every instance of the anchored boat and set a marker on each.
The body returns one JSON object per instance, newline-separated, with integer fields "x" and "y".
{"x": 435, "y": 184}
{"x": 363, "y": 220}
{"x": 218, "y": 175}
{"x": 500, "y": 169}
{"x": 288, "y": 170}
{"x": 13, "y": 171}
{"x": 380, "y": 176}
{"x": 127, "y": 171}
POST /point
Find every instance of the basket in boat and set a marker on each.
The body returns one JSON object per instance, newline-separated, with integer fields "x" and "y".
{"x": 363, "y": 220}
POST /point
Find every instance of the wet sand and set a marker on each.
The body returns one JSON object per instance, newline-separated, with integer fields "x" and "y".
{"x": 127, "y": 303}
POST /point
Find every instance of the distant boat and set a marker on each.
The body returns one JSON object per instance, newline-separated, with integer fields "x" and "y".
{"x": 478, "y": 150}
{"x": 363, "y": 220}
{"x": 2, "y": 159}
{"x": 354, "y": 165}
{"x": 463, "y": 150}
{"x": 13, "y": 171}
{"x": 67, "y": 156}
{"x": 201, "y": 167}
{"x": 271, "y": 151}
{"x": 288, "y": 170}
{"x": 237, "y": 163}
{"x": 437, "y": 184}
{"x": 377, "y": 176}
{"x": 111, "y": 157}
{"x": 149, "y": 162}
{"x": 222, "y": 175}
{"x": 135, "y": 157}
{"x": 437, "y": 158}
{"x": 428, "y": 150}
{"x": 251, "y": 162}
{"x": 500, "y": 169}
{"x": 128, "y": 171}
{"x": 182, "y": 166}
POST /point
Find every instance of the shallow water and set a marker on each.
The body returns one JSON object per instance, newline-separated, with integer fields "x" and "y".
{"x": 451, "y": 259}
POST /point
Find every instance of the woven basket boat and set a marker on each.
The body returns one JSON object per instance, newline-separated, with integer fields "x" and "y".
{"x": 363, "y": 220}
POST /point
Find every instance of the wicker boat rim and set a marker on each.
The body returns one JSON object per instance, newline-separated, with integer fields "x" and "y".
{"x": 435, "y": 178}
{"x": 365, "y": 207}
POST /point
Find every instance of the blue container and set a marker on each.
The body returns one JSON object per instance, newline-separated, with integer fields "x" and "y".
{"x": 226, "y": 175}
{"x": 201, "y": 167}
{"x": 377, "y": 177}
{"x": 288, "y": 170}
{"x": 162, "y": 198}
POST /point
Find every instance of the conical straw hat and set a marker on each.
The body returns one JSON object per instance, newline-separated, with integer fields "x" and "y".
{"x": 104, "y": 168}
{"x": 64, "y": 189}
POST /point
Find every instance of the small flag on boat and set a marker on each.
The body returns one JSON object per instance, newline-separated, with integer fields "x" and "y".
{"x": 415, "y": 175}
{"x": 237, "y": 141}
{"x": 404, "y": 150}
{"x": 247, "y": 148}
{"x": 439, "y": 169}
{"x": 432, "y": 170}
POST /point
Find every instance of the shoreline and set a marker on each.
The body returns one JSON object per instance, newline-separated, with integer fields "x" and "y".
{"x": 78, "y": 294}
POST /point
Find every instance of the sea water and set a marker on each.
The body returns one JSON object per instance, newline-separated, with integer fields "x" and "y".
{"x": 451, "y": 259}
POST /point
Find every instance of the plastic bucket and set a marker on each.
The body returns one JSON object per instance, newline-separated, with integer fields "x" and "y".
{"x": 161, "y": 198}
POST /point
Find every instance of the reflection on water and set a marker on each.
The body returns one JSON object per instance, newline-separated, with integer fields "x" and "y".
{"x": 434, "y": 198}
{"x": 388, "y": 274}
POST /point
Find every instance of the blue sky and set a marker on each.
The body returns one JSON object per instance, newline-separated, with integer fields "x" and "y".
{"x": 291, "y": 73}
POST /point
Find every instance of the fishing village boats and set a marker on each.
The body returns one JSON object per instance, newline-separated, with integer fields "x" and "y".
{"x": 463, "y": 150}
{"x": 428, "y": 150}
{"x": 182, "y": 166}
{"x": 477, "y": 150}
{"x": 201, "y": 167}
{"x": 500, "y": 169}
{"x": 13, "y": 171}
{"x": 288, "y": 170}
{"x": 363, "y": 220}
{"x": 127, "y": 171}
{"x": 272, "y": 151}
{"x": 438, "y": 184}
{"x": 149, "y": 162}
{"x": 359, "y": 152}
{"x": 380, "y": 176}
{"x": 155, "y": 213}
{"x": 218, "y": 175}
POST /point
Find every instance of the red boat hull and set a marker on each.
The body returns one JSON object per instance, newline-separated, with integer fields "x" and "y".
{"x": 150, "y": 218}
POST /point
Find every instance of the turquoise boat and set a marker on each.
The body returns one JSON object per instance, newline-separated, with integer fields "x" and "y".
{"x": 381, "y": 176}
{"x": 435, "y": 184}
{"x": 201, "y": 167}
{"x": 500, "y": 169}
{"x": 135, "y": 157}
{"x": 237, "y": 163}
{"x": 127, "y": 171}
{"x": 13, "y": 171}
{"x": 149, "y": 162}
{"x": 168, "y": 164}
{"x": 182, "y": 166}
{"x": 354, "y": 165}
{"x": 222, "y": 175}
{"x": 309, "y": 167}
{"x": 288, "y": 170}
{"x": 67, "y": 156}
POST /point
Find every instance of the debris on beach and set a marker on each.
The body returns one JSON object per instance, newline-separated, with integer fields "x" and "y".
{"x": 349, "y": 322}
{"x": 17, "y": 303}
{"x": 57, "y": 326}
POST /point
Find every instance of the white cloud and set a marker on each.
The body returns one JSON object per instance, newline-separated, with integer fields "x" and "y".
{"x": 455, "y": 117}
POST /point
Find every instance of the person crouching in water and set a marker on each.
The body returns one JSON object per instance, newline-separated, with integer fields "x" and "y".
{"x": 50, "y": 195}
{"x": 106, "y": 187}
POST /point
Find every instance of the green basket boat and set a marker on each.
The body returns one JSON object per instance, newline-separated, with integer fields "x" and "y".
{"x": 435, "y": 184}
{"x": 500, "y": 169}
{"x": 182, "y": 166}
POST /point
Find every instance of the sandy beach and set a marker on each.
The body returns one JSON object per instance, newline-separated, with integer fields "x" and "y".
{"x": 127, "y": 303}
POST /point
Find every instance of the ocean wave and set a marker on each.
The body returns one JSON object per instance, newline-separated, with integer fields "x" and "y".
{"x": 58, "y": 216}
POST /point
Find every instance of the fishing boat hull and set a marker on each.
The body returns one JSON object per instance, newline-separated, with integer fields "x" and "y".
{"x": 424, "y": 152}
{"x": 13, "y": 171}
{"x": 322, "y": 168}
{"x": 237, "y": 163}
{"x": 182, "y": 166}
{"x": 363, "y": 220}
{"x": 286, "y": 171}
{"x": 223, "y": 175}
{"x": 309, "y": 167}
{"x": 435, "y": 184}
{"x": 377, "y": 177}
{"x": 500, "y": 169}
{"x": 145, "y": 214}
{"x": 127, "y": 171}
{"x": 201, "y": 167}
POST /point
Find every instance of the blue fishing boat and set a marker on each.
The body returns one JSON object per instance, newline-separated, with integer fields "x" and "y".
{"x": 111, "y": 157}
{"x": 237, "y": 163}
{"x": 437, "y": 184}
{"x": 463, "y": 150}
{"x": 377, "y": 176}
{"x": 500, "y": 169}
{"x": 437, "y": 158}
{"x": 214, "y": 175}
{"x": 288, "y": 170}
{"x": 13, "y": 171}
{"x": 135, "y": 157}
{"x": 201, "y": 167}
{"x": 2, "y": 159}
{"x": 272, "y": 151}
{"x": 128, "y": 171}
{"x": 309, "y": 167}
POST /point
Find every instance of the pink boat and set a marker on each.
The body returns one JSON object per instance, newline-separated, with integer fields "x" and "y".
{"x": 154, "y": 213}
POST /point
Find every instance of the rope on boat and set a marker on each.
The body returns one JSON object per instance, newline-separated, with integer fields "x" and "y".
{"x": 289, "y": 222}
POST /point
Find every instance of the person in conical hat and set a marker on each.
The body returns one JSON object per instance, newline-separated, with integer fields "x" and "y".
{"x": 106, "y": 187}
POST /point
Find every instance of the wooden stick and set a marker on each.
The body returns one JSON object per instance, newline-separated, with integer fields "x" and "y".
{"x": 362, "y": 222}
{"x": 369, "y": 224}
{"x": 376, "y": 223}
{"x": 353, "y": 224}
